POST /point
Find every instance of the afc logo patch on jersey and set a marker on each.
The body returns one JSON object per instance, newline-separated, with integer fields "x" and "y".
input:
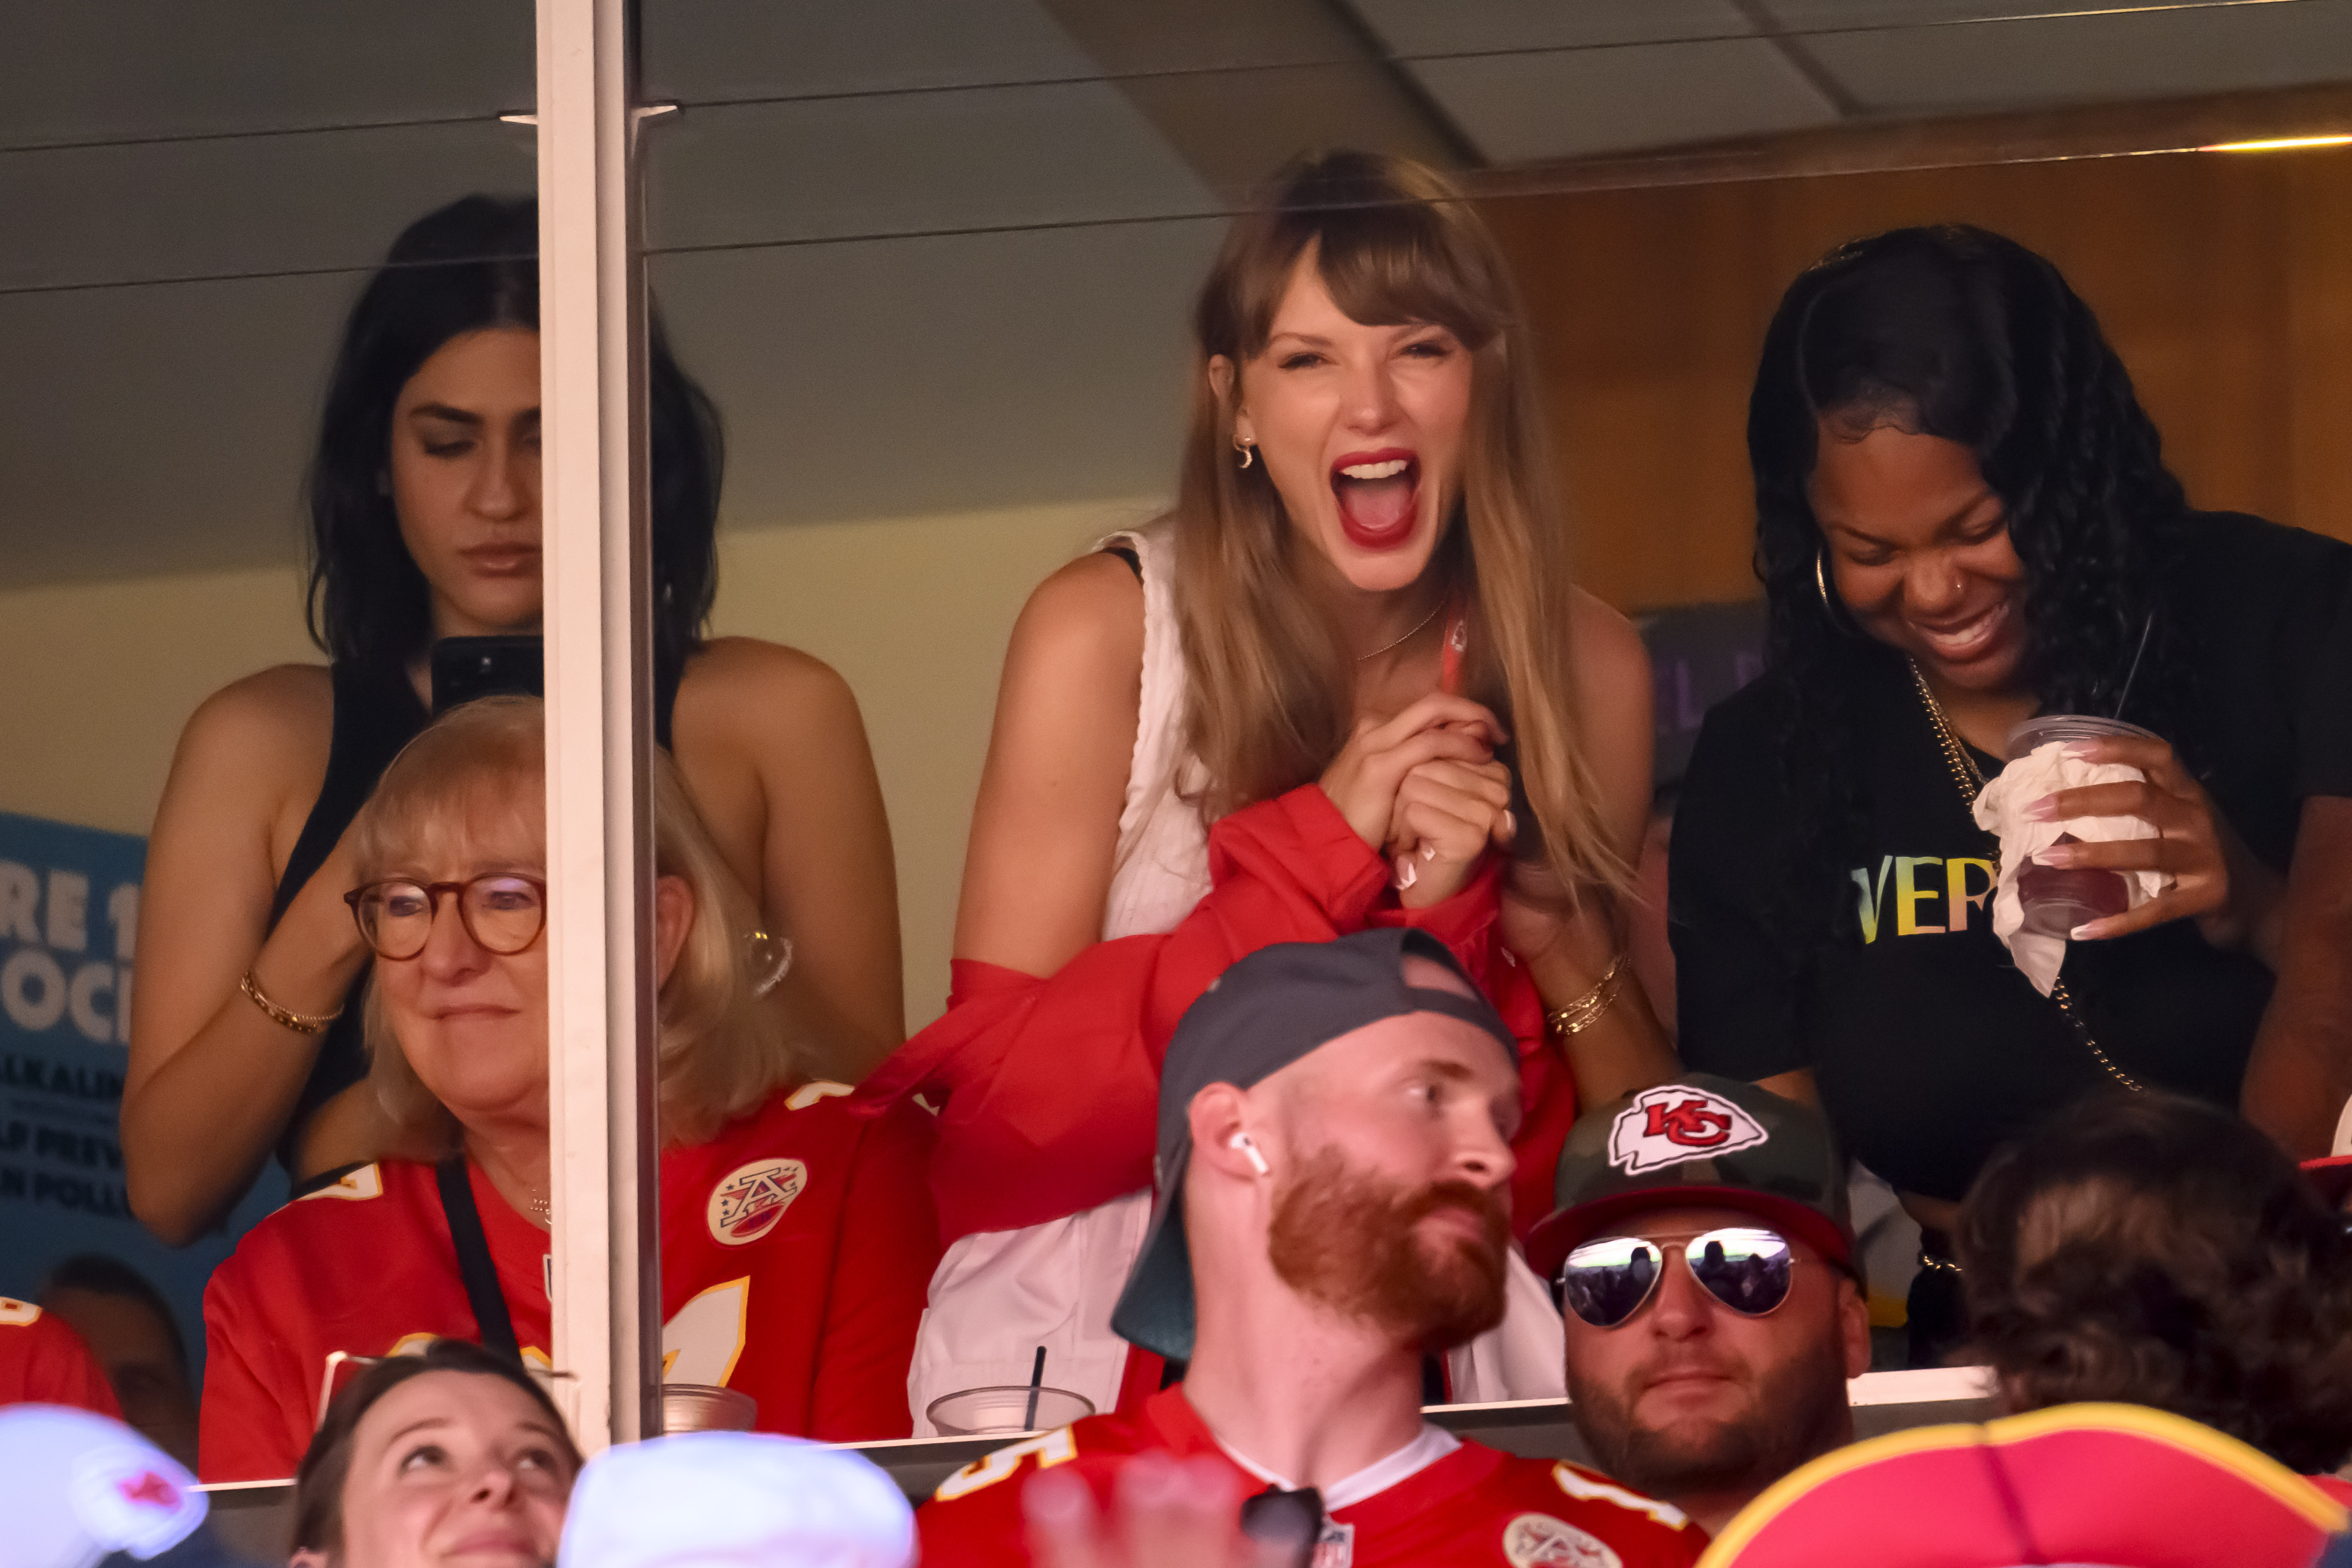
{"x": 749, "y": 1200}
{"x": 1539, "y": 1541}
{"x": 1674, "y": 1122}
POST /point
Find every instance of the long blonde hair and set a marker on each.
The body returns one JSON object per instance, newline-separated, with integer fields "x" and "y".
{"x": 722, "y": 1050}
{"x": 1271, "y": 685}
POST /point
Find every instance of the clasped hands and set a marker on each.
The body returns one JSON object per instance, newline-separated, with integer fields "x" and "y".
{"x": 1426, "y": 790}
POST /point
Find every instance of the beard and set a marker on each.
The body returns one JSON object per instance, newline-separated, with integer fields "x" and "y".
{"x": 1350, "y": 1241}
{"x": 1797, "y": 1411}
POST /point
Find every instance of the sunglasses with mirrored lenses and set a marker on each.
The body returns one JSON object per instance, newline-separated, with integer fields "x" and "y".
{"x": 1605, "y": 1282}
{"x": 502, "y": 912}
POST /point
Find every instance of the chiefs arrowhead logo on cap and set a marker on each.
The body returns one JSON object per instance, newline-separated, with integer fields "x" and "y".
{"x": 130, "y": 1497}
{"x": 748, "y": 1201}
{"x": 1674, "y": 1122}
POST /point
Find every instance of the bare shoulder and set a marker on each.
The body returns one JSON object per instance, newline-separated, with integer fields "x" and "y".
{"x": 1611, "y": 666}
{"x": 1089, "y": 612}
{"x": 751, "y": 677}
{"x": 276, "y": 721}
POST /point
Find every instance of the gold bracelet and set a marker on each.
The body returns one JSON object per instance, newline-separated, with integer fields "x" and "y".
{"x": 1585, "y": 1011}
{"x": 294, "y": 1021}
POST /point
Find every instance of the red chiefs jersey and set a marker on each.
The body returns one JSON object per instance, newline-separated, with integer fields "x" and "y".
{"x": 44, "y": 1361}
{"x": 1052, "y": 1086}
{"x": 1475, "y": 1508}
{"x": 797, "y": 1247}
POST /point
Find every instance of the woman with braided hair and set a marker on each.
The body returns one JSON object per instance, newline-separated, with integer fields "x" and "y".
{"x": 1964, "y": 521}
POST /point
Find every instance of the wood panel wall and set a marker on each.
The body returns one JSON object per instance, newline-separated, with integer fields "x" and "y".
{"x": 2224, "y": 281}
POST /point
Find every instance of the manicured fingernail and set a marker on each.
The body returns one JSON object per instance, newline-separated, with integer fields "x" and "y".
{"x": 1407, "y": 873}
{"x": 1510, "y": 825}
{"x": 1429, "y": 851}
{"x": 2042, "y": 810}
{"x": 2060, "y": 855}
{"x": 2082, "y": 748}
{"x": 2089, "y": 931}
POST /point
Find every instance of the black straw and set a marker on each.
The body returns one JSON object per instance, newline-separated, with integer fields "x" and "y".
{"x": 2133, "y": 673}
{"x": 1036, "y": 1382}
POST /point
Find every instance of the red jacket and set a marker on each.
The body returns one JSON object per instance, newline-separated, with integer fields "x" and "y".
{"x": 1051, "y": 1087}
{"x": 1475, "y": 1508}
{"x": 44, "y": 1361}
{"x": 797, "y": 1247}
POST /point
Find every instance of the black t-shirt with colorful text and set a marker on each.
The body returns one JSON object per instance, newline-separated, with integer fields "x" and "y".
{"x": 1928, "y": 1046}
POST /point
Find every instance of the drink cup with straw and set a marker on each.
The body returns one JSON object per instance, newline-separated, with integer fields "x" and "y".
{"x": 1008, "y": 1409}
{"x": 2054, "y": 900}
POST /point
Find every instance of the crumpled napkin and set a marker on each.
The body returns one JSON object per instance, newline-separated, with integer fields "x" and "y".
{"x": 2044, "y": 770}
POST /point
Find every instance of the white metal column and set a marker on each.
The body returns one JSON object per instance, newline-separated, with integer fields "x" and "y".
{"x": 599, "y": 744}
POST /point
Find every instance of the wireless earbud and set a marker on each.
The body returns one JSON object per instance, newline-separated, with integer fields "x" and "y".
{"x": 1248, "y": 1146}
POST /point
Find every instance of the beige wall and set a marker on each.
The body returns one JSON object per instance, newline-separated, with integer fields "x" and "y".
{"x": 913, "y": 611}
{"x": 101, "y": 676}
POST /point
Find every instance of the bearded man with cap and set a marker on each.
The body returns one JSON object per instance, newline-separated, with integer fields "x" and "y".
{"x": 1334, "y": 1154}
{"x": 1705, "y": 1263}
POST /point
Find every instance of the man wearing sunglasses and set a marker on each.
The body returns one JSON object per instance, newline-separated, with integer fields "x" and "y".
{"x": 1705, "y": 1264}
{"x": 1334, "y": 1155}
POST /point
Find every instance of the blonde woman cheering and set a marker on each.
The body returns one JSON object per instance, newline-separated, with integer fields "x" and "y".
{"x": 1345, "y": 682}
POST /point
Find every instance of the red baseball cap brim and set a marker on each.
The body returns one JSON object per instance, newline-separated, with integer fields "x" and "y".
{"x": 2332, "y": 1174}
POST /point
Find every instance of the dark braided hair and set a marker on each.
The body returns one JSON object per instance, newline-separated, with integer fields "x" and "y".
{"x": 470, "y": 265}
{"x": 1959, "y": 333}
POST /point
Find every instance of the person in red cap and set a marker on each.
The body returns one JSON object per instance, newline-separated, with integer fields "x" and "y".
{"x": 1334, "y": 1145}
{"x": 2116, "y": 1485}
{"x": 44, "y": 1361}
{"x": 1705, "y": 1263}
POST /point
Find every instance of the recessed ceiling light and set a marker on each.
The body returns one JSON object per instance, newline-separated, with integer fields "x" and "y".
{"x": 2278, "y": 144}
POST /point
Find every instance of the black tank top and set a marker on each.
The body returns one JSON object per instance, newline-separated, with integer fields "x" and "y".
{"x": 377, "y": 714}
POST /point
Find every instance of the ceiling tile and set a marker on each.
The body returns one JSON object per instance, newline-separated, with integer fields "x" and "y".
{"x": 1447, "y": 26}
{"x": 2087, "y": 59}
{"x": 920, "y": 162}
{"x": 106, "y": 68}
{"x": 1527, "y": 107}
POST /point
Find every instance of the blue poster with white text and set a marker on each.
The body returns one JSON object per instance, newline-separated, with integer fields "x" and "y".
{"x": 69, "y": 931}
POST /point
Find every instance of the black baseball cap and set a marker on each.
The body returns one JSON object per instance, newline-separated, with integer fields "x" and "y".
{"x": 1268, "y": 1011}
{"x": 1698, "y": 1141}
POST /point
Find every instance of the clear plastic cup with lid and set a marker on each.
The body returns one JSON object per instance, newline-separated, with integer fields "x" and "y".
{"x": 2056, "y": 899}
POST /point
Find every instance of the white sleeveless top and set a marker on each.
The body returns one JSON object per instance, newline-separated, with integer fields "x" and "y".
{"x": 998, "y": 1295}
{"x": 1162, "y": 870}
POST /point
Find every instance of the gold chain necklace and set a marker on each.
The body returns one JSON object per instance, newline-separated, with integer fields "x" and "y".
{"x": 1969, "y": 780}
{"x": 1408, "y": 637}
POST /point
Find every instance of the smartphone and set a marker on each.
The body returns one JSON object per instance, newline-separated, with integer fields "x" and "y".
{"x": 467, "y": 667}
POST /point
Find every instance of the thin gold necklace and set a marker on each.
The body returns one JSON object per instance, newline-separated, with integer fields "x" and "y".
{"x": 1408, "y": 637}
{"x": 1971, "y": 780}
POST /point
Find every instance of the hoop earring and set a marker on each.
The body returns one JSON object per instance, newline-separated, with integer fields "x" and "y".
{"x": 1248, "y": 449}
{"x": 1822, "y": 586}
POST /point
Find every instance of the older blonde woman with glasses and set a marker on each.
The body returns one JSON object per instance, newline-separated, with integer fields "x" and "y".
{"x": 796, "y": 1238}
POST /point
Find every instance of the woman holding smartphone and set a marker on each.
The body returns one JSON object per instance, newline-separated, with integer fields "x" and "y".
{"x": 425, "y": 509}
